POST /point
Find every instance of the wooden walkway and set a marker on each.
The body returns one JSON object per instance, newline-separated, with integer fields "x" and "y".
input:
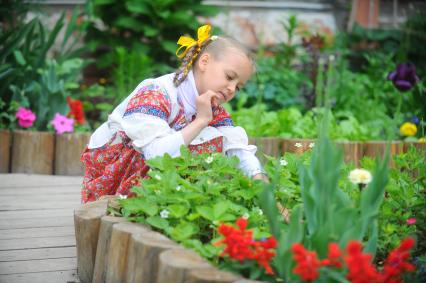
{"x": 37, "y": 242}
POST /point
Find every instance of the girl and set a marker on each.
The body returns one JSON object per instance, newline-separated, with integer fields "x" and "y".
{"x": 162, "y": 114}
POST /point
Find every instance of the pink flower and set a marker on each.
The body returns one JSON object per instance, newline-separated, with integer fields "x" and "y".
{"x": 62, "y": 124}
{"x": 411, "y": 221}
{"x": 25, "y": 117}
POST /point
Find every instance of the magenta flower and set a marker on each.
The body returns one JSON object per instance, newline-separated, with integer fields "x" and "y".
{"x": 62, "y": 124}
{"x": 25, "y": 117}
{"x": 404, "y": 77}
{"x": 411, "y": 221}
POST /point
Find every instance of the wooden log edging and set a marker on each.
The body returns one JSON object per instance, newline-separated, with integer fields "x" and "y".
{"x": 111, "y": 249}
{"x": 68, "y": 149}
{"x": 47, "y": 153}
{"x": 33, "y": 152}
{"x": 5, "y": 145}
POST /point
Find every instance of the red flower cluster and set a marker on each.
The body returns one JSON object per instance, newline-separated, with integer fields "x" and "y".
{"x": 334, "y": 256}
{"x": 359, "y": 264}
{"x": 241, "y": 246}
{"x": 396, "y": 263}
{"x": 76, "y": 110}
{"x": 307, "y": 262}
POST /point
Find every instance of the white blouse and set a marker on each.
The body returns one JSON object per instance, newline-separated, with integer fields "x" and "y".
{"x": 153, "y": 136}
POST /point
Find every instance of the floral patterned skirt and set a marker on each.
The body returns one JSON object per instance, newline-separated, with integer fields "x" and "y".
{"x": 116, "y": 167}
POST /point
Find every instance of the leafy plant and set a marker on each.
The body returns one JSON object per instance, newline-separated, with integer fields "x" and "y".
{"x": 189, "y": 196}
{"x": 328, "y": 214}
{"x": 29, "y": 77}
{"x": 153, "y": 26}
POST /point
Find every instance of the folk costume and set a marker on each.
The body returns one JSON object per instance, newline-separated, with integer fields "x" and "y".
{"x": 147, "y": 124}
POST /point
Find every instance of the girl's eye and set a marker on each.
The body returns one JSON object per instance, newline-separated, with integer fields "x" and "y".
{"x": 229, "y": 78}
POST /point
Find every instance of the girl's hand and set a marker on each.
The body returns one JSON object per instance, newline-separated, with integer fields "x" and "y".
{"x": 204, "y": 103}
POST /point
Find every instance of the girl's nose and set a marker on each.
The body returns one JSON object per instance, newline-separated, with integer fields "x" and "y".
{"x": 232, "y": 87}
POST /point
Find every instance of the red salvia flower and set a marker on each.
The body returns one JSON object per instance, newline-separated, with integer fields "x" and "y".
{"x": 307, "y": 263}
{"x": 76, "y": 110}
{"x": 359, "y": 265}
{"x": 396, "y": 263}
{"x": 334, "y": 256}
{"x": 239, "y": 245}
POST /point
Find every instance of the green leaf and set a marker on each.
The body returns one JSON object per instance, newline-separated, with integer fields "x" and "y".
{"x": 138, "y": 7}
{"x": 184, "y": 230}
{"x": 19, "y": 57}
{"x": 158, "y": 222}
{"x": 206, "y": 212}
{"x": 129, "y": 22}
{"x": 177, "y": 210}
{"x": 219, "y": 209}
{"x": 150, "y": 31}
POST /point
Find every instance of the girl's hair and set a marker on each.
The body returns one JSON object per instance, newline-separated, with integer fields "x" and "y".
{"x": 216, "y": 46}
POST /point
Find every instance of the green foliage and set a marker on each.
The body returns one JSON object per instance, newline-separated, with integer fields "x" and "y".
{"x": 131, "y": 68}
{"x": 291, "y": 123}
{"x": 153, "y": 26}
{"x": 328, "y": 213}
{"x": 189, "y": 196}
{"x": 29, "y": 77}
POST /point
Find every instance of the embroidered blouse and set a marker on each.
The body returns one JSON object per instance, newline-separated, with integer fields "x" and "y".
{"x": 155, "y": 112}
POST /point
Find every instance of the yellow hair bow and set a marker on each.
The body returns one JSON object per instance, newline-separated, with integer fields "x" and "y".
{"x": 188, "y": 42}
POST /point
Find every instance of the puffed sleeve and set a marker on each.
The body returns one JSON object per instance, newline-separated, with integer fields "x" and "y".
{"x": 146, "y": 123}
{"x": 235, "y": 142}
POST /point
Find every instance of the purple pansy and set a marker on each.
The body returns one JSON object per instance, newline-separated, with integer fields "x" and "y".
{"x": 404, "y": 77}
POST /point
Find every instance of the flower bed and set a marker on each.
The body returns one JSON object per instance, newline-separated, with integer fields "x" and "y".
{"x": 111, "y": 249}
{"x": 47, "y": 153}
{"x": 191, "y": 199}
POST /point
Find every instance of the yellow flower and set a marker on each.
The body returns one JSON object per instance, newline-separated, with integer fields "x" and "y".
{"x": 102, "y": 81}
{"x": 408, "y": 129}
{"x": 422, "y": 139}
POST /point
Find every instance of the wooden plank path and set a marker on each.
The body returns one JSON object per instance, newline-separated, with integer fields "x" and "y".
{"x": 37, "y": 242}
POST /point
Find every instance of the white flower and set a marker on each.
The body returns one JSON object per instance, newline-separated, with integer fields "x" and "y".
{"x": 331, "y": 57}
{"x": 311, "y": 145}
{"x": 360, "y": 176}
{"x": 178, "y": 188}
{"x": 158, "y": 177}
{"x": 283, "y": 162}
{"x": 258, "y": 210}
{"x": 164, "y": 213}
{"x": 246, "y": 215}
{"x": 298, "y": 144}
{"x": 122, "y": 196}
{"x": 209, "y": 159}
{"x": 214, "y": 37}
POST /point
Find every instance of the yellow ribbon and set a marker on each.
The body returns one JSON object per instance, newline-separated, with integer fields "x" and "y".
{"x": 188, "y": 42}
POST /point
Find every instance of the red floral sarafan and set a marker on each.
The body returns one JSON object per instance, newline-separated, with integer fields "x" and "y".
{"x": 307, "y": 263}
{"x": 76, "y": 110}
{"x": 239, "y": 245}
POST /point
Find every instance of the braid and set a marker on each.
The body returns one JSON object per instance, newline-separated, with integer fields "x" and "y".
{"x": 187, "y": 61}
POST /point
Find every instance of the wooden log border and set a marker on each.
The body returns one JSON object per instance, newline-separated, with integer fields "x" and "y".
{"x": 62, "y": 153}
{"x": 111, "y": 249}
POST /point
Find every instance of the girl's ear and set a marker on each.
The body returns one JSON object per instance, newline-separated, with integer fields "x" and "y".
{"x": 203, "y": 61}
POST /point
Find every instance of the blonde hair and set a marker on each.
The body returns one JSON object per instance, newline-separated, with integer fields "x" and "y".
{"x": 215, "y": 46}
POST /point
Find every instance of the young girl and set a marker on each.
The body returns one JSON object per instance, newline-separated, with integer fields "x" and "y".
{"x": 162, "y": 114}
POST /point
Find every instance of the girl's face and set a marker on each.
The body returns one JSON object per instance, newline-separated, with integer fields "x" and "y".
{"x": 224, "y": 75}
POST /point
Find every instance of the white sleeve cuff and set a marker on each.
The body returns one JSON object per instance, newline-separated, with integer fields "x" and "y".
{"x": 249, "y": 163}
{"x": 169, "y": 144}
